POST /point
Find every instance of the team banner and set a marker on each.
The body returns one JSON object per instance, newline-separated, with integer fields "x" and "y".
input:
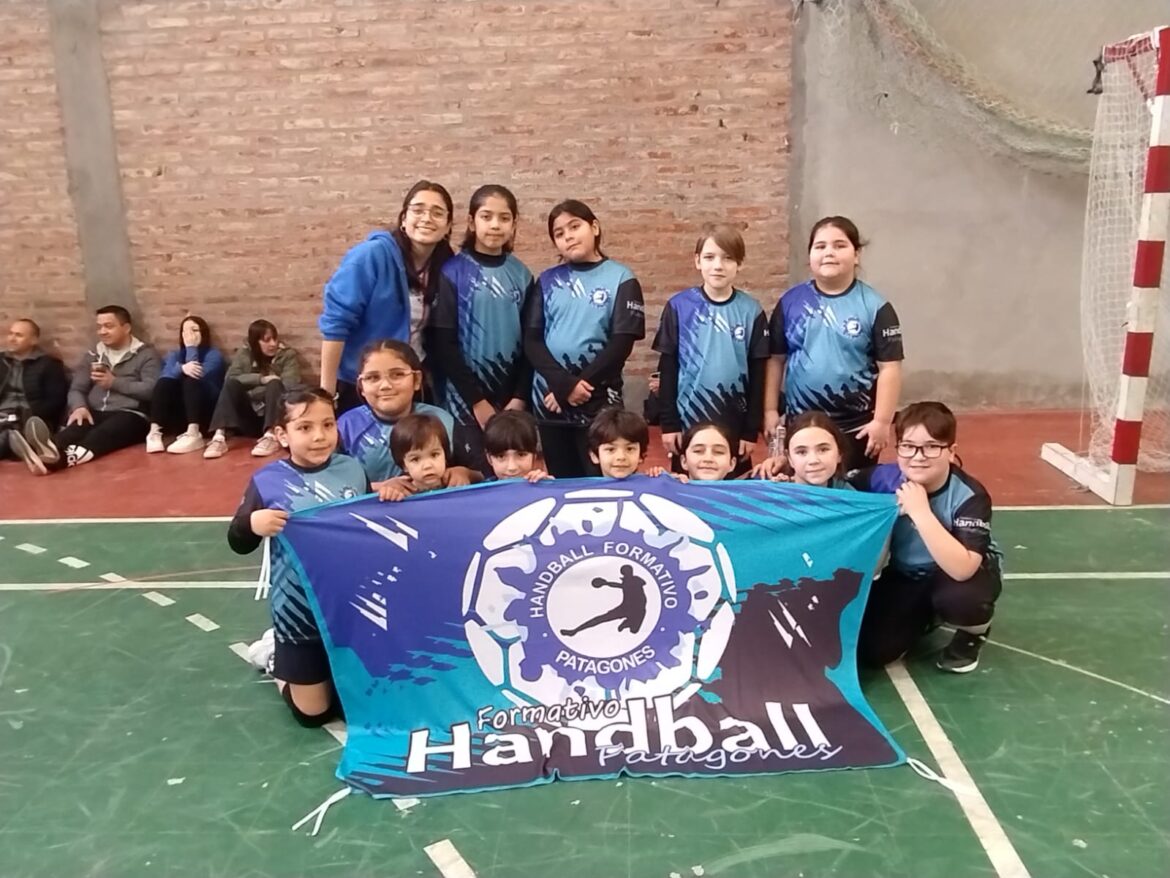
{"x": 510, "y": 634}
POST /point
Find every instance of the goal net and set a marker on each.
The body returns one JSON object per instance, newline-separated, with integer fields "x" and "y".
{"x": 1125, "y": 309}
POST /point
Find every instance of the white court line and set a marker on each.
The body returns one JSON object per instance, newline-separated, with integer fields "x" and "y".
{"x": 336, "y": 728}
{"x": 448, "y": 860}
{"x": 124, "y": 584}
{"x": 113, "y": 577}
{"x": 31, "y": 548}
{"x": 202, "y": 622}
{"x": 1104, "y": 574}
{"x": 1077, "y": 670}
{"x": 1080, "y": 508}
{"x": 75, "y": 563}
{"x": 1003, "y": 856}
{"x": 155, "y": 598}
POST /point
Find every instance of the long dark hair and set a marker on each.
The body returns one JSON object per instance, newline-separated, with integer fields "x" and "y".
{"x": 581, "y": 211}
{"x": 257, "y": 329}
{"x": 478, "y": 197}
{"x": 820, "y": 420}
{"x": 204, "y": 337}
{"x": 442, "y": 251}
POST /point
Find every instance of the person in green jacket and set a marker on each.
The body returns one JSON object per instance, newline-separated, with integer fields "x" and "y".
{"x": 261, "y": 372}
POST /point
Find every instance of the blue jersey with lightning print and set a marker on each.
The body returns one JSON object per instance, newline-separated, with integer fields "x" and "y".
{"x": 482, "y": 298}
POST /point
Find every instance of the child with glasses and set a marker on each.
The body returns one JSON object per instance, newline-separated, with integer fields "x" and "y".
{"x": 389, "y": 376}
{"x": 944, "y": 564}
{"x": 384, "y": 288}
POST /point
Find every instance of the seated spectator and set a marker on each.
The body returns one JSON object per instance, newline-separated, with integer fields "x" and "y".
{"x": 250, "y": 403}
{"x": 192, "y": 379}
{"x": 108, "y": 399}
{"x": 32, "y": 383}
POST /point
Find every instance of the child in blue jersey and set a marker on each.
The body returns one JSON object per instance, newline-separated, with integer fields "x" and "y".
{"x": 618, "y": 442}
{"x": 390, "y": 374}
{"x": 944, "y": 563}
{"x": 713, "y": 342}
{"x": 707, "y": 451}
{"x": 312, "y": 474}
{"x": 476, "y": 341}
{"x": 814, "y": 452}
{"x": 836, "y": 347}
{"x": 511, "y": 444}
{"x": 384, "y": 288}
{"x": 580, "y": 326}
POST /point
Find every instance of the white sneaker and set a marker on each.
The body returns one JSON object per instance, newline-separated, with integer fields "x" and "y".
{"x": 154, "y": 442}
{"x": 186, "y": 443}
{"x": 265, "y": 446}
{"x": 215, "y": 448}
{"x": 261, "y": 652}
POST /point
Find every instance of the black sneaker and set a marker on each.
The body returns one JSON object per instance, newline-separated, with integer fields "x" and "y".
{"x": 25, "y": 452}
{"x": 961, "y": 655}
{"x": 40, "y": 437}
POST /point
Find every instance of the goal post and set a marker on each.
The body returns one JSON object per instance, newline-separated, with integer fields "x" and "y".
{"x": 1124, "y": 301}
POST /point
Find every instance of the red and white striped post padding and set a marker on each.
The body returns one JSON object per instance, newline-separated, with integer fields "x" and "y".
{"x": 1153, "y": 230}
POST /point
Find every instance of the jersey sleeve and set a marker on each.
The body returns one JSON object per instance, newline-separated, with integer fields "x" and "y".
{"x": 445, "y": 312}
{"x": 534, "y": 309}
{"x": 971, "y": 523}
{"x": 629, "y": 310}
{"x": 887, "y": 335}
{"x": 666, "y": 338}
{"x": 241, "y": 537}
{"x": 759, "y": 345}
{"x": 777, "y": 340}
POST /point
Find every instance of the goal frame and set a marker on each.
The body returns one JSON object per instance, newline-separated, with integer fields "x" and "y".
{"x": 1114, "y": 482}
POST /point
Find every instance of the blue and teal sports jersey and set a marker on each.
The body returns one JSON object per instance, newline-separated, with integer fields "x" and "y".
{"x": 714, "y": 342}
{"x": 962, "y": 504}
{"x": 482, "y": 298}
{"x": 833, "y": 345}
{"x": 578, "y": 308}
{"x": 284, "y": 485}
{"x": 366, "y": 437}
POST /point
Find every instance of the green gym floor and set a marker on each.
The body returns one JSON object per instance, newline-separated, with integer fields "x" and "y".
{"x": 135, "y": 742}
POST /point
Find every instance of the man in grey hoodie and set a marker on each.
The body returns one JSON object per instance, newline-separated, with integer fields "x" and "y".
{"x": 108, "y": 402}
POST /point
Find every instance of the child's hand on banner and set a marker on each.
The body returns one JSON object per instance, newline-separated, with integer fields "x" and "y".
{"x": 268, "y": 522}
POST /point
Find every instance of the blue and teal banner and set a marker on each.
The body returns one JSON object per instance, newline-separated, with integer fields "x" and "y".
{"x": 511, "y": 634}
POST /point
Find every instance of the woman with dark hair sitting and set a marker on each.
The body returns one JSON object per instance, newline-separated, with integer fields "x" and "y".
{"x": 185, "y": 395}
{"x": 257, "y": 378}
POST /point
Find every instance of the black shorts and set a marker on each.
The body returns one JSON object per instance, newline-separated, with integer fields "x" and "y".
{"x": 304, "y": 663}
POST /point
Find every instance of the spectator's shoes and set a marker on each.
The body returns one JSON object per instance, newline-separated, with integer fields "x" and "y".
{"x": 215, "y": 448}
{"x": 154, "y": 443}
{"x": 25, "y": 452}
{"x": 961, "y": 655}
{"x": 186, "y": 443}
{"x": 266, "y": 446}
{"x": 40, "y": 437}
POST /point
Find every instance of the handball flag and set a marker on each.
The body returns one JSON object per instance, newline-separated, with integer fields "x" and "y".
{"x": 511, "y": 634}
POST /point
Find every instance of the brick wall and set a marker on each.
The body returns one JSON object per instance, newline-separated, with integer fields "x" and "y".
{"x": 260, "y": 138}
{"x": 40, "y": 262}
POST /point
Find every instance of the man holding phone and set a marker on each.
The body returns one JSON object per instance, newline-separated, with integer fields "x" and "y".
{"x": 108, "y": 400}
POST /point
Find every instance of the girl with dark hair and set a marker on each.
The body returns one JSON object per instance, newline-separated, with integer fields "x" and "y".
{"x": 186, "y": 392}
{"x": 259, "y": 375}
{"x": 836, "y": 347}
{"x": 384, "y": 288}
{"x": 580, "y": 326}
{"x": 476, "y": 340}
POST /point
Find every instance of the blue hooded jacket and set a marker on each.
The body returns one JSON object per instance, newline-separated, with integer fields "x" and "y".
{"x": 368, "y": 298}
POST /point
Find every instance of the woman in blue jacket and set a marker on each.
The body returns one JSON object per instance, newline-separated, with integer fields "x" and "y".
{"x": 384, "y": 288}
{"x": 185, "y": 394}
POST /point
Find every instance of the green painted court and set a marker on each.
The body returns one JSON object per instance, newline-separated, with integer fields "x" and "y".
{"x": 133, "y": 742}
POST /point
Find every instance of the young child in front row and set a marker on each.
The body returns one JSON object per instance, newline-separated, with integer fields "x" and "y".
{"x": 618, "y": 441}
{"x": 421, "y": 448}
{"x": 312, "y": 474}
{"x": 944, "y": 563}
{"x": 511, "y": 444}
